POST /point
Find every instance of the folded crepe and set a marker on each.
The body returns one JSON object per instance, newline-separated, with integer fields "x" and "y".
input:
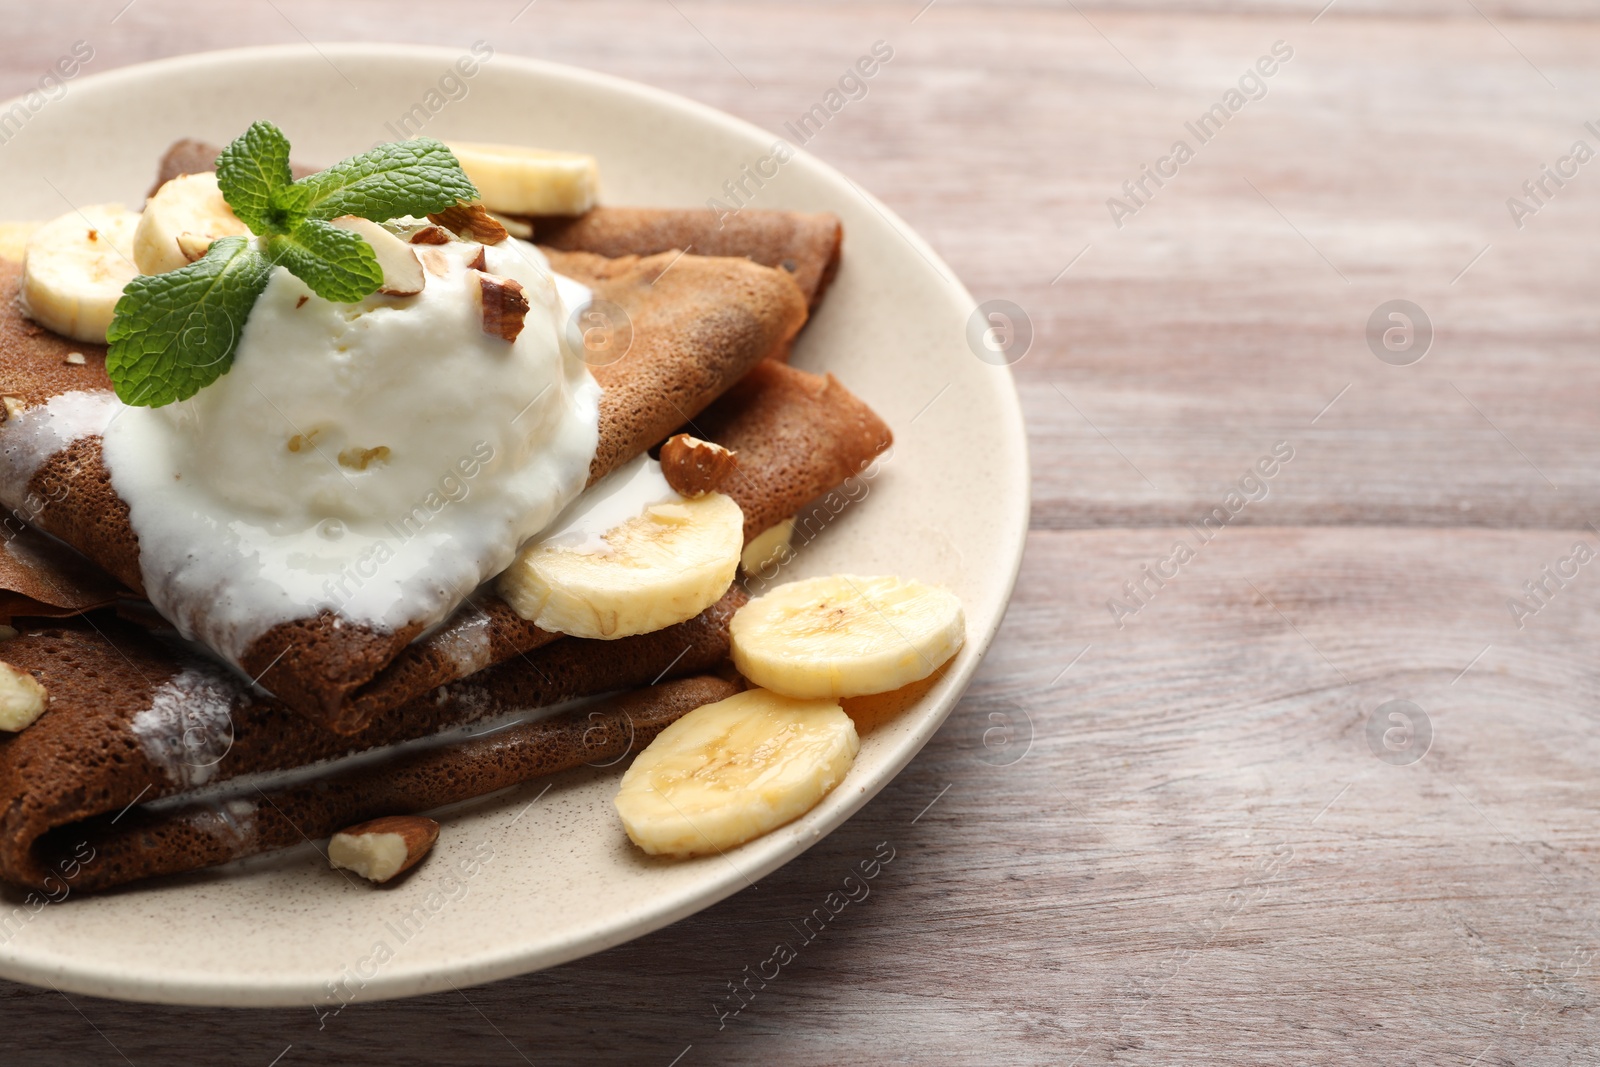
{"x": 188, "y": 724}
{"x": 803, "y": 244}
{"x": 134, "y": 718}
{"x": 797, "y": 435}
{"x": 204, "y": 833}
{"x": 42, "y": 578}
{"x": 698, "y": 324}
{"x": 806, "y": 245}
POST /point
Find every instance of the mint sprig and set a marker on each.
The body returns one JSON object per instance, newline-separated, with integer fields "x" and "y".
{"x": 404, "y": 178}
{"x": 253, "y": 172}
{"x": 337, "y": 264}
{"x": 175, "y": 333}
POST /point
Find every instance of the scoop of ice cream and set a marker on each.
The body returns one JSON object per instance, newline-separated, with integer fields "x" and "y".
{"x": 356, "y": 411}
{"x": 380, "y": 458}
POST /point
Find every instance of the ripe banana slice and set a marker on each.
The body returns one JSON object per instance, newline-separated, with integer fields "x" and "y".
{"x": 731, "y": 771}
{"x": 75, "y": 268}
{"x": 769, "y": 548}
{"x": 846, "y": 636}
{"x": 529, "y": 181}
{"x": 652, "y": 571}
{"x": 188, "y": 204}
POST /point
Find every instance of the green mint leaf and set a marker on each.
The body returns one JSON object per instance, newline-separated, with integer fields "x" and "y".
{"x": 175, "y": 333}
{"x": 337, "y": 264}
{"x": 251, "y": 171}
{"x": 404, "y": 178}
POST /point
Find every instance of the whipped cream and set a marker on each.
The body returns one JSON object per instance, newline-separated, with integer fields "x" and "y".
{"x": 379, "y": 459}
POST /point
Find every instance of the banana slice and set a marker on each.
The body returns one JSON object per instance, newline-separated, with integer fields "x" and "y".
{"x": 14, "y": 239}
{"x": 75, "y": 268}
{"x": 845, "y": 636}
{"x": 651, "y": 571}
{"x": 529, "y": 181}
{"x": 731, "y": 771}
{"x": 769, "y": 548}
{"x": 188, "y": 204}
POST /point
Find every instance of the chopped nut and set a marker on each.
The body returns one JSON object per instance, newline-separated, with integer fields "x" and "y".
{"x": 299, "y": 441}
{"x": 22, "y": 698}
{"x": 479, "y": 261}
{"x": 194, "y": 246}
{"x": 694, "y": 467}
{"x": 382, "y": 848}
{"x": 434, "y": 261}
{"x": 402, "y": 272}
{"x": 14, "y": 406}
{"x": 471, "y": 221}
{"x": 298, "y": 304}
{"x": 74, "y": 358}
{"x": 360, "y": 458}
{"x": 504, "y": 305}
{"x": 431, "y": 235}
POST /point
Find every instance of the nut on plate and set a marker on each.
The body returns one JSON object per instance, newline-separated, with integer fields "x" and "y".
{"x": 694, "y": 467}
{"x": 22, "y": 698}
{"x": 381, "y": 848}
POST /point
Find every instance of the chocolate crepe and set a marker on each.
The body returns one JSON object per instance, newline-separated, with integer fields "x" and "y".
{"x": 805, "y": 245}
{"x": 205, "y": 833}
{"x": 696, "y": 329}
{"x": 798, "y": 436}
{"x": 42, "y": 578}
{"x": 133, "y": 718}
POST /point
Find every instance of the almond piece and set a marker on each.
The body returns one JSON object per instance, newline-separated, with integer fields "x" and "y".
{"x": 74, "y": 358}
{"x": 504, "y": 304}
{"x": 432, "y": 235}
{"x": 382, "y": 848}
{"x": 22, "y": 698}
{"x": 480, "y": 261}
{"x": 471, "y": 221}
{"x": 694, "y": 467}
{"x": 434, "y": 261}
{"x": 194, "y": 246}
{"x": 402, "y": 271}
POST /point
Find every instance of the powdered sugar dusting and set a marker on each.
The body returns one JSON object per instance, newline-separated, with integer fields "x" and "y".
{"x": 188, "y": 727}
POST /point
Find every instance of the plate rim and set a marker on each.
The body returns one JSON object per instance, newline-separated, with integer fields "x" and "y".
{"x": 422, "y": 977}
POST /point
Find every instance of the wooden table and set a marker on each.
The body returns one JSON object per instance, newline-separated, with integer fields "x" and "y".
{"x": 1191, "y": 833}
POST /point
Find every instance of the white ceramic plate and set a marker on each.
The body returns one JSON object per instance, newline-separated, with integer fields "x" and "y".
{"x": 558, "y": 879}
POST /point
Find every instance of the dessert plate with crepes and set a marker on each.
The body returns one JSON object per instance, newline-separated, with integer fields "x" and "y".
{"x": 510, "y": 516}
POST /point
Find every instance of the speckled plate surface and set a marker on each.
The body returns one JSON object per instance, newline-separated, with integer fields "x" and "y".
{"x": 552, "y": 876}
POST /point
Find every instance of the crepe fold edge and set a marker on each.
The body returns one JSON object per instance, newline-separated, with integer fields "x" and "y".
{"x": 132, "y": 719}
{"x": 101, "y": 852}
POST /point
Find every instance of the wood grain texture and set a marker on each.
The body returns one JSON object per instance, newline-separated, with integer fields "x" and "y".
{"x": 1168, "y": 841}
